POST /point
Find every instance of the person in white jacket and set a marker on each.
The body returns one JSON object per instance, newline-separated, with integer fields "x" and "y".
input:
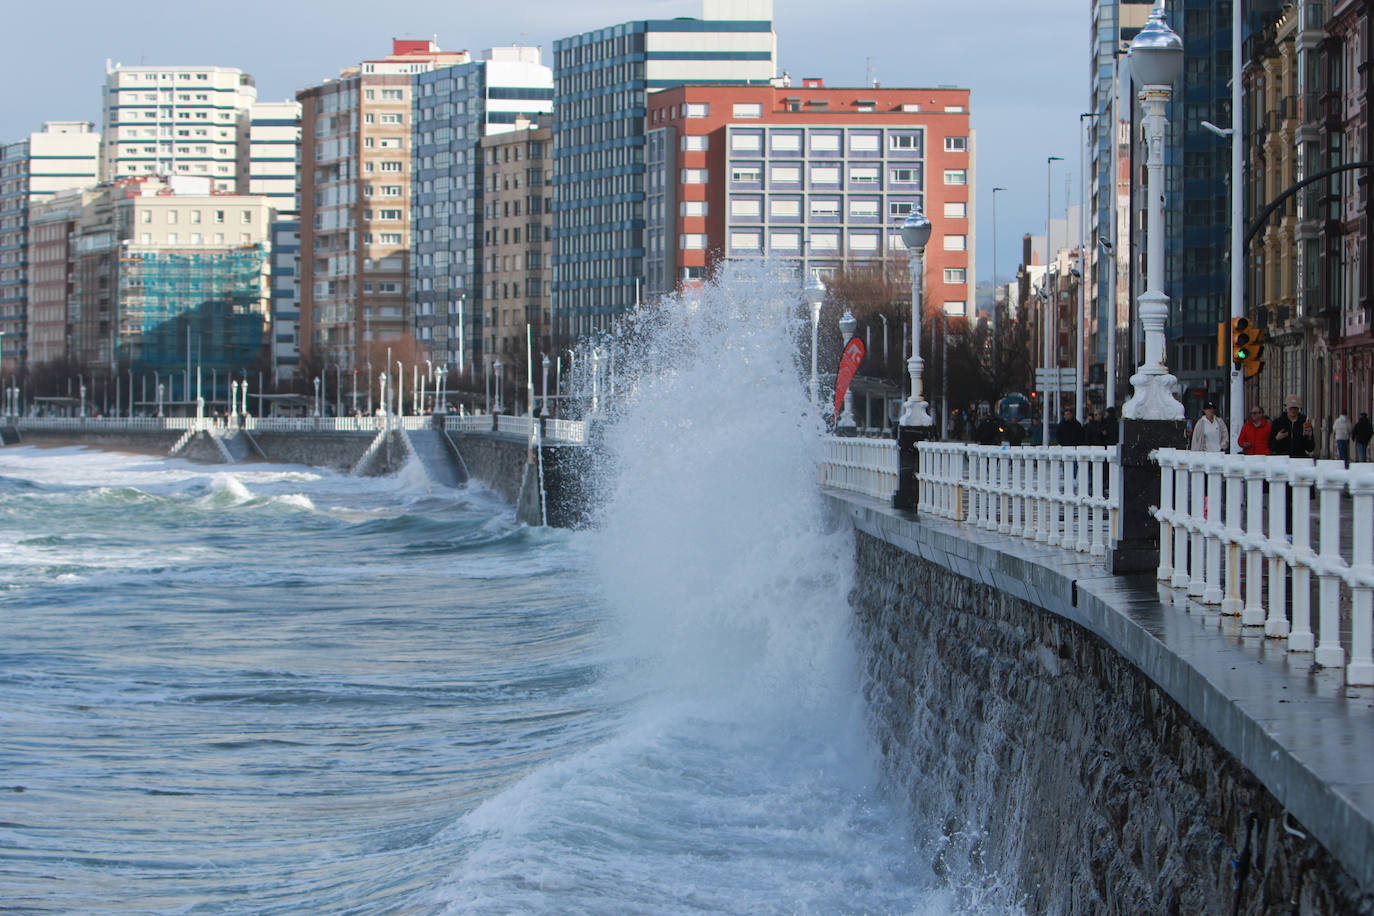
{"x": 1209, "y": 432}
{"x": 1340, "y": 432}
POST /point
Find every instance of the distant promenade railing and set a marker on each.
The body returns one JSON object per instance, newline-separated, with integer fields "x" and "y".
{"x": 1216, "y": 510}
{"x": 867, "y": 466}
{"x": 567, "y": 432}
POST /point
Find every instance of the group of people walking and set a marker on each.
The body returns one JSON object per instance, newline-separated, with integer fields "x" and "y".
{"x": 1290, "y": 434}
{"x": 1100, "y": 428}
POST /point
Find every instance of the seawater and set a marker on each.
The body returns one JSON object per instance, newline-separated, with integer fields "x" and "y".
{"x": 273, "y": 689}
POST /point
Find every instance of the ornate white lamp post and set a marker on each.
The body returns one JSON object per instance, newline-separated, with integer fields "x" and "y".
{"x": 1156, "y": 59}
{"x": 814, "y": 294}
{"x": 846, "y": 425}
{"x": 915, "y": 424}
{"x": 544, "y": 363}
{"x": 1153, "y": 417}
{"x": 496, "y": 368}
{"x": 317, "y": 395}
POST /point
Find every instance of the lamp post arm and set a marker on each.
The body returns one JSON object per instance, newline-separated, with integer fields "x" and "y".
{"x": 1253, "y": 229}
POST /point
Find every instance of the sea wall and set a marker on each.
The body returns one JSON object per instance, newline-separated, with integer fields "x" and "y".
{"x": 1036, "y": 712}
{"x": 504, "y": 464}
{"x": 338, "y": 451}
{"x": 152, "y": 442}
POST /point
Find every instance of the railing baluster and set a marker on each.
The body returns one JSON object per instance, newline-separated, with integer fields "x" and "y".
{"x": 1276, "y": 622}
{"x": 1329, "y": 486}
{"x": 1184, "y": 508}
{"x": 1212, "y": 592}
{"x": 1301, "y": 478}
{"x": 1197, "y": 514}
{"x": 1360, "y": 671}
{"x": 1235, "y": 476}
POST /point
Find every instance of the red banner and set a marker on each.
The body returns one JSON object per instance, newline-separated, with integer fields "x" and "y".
{"x": 849, "y": 364}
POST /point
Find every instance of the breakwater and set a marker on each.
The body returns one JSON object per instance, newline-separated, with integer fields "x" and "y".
{"x": 1100, "y": 745}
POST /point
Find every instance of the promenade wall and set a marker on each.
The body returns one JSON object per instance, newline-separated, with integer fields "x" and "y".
{"x": 1069, "y": 729}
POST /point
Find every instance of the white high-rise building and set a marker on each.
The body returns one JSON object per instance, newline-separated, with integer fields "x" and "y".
{"x": 175, "y": 121}
{"x": 270, "y": 145}
{"x": 62, "y": 156}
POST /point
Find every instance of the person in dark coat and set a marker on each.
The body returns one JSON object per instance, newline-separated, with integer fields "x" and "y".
{"x": 1069, "y": 431}
{"x": 1111, "y": 427}
{"x": 1362, "y": 433}
{"x": 1093, "y": 431}
{"x": 1291, "y": 433}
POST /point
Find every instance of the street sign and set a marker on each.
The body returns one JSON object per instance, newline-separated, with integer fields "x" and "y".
{"x": 1055, "y": 380}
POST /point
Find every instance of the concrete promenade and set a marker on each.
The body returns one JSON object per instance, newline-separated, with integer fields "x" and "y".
{"x": 1307, "y": 737}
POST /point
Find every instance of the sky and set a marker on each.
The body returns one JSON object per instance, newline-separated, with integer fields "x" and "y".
{"x": 1025, "y": 106}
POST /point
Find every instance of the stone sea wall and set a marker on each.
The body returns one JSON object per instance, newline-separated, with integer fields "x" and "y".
{"x": 1040, "y": 753}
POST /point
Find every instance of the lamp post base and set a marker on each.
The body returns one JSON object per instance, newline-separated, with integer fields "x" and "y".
{"x": 909, "y": 465}
{"x": 1136, "y": 549}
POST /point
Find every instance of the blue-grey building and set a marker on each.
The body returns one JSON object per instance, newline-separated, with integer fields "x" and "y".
{"x": 286, "y": 297}
{"x": 603, "y": 79}
{"x": 453, "y": 108}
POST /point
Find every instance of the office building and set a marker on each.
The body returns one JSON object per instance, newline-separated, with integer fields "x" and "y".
{"x": 454, "y": 108}
{"x": 819, "y": 177}
{"x": 604, "y": 80}
{"x": 61, "y": 156}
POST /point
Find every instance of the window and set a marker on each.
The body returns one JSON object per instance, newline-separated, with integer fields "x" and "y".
{"x": 746, "y": 240}
{"x": 825, "y": 206}
{"x": 748, "y": 110}
{"x": 694, "y": 176}
{"x": 692, "y": 241}
{"x": 171, "y": 217}
{"x": 394, "y": 95}
{"x": 825, "y": 241}
{"x": 786, "y": 142}
{"x": 391, "y": 166}
{"x": 195, "y": 216}
{"x": 390, "y": 190}
{"x": 825, "y": 143}
{"x": 747, "y": 174}
{"x": 956, "y": 176}
{"x": 392, "y": 118}
{"x": 785, "y": 207}
{"x": 863, "y": 143}
{"x": 905, "y": 176}
{"x": 171, "y": 238}
{"x": 825, "y": 174}
{"x": 956, "y": 307}
{"x": 956, "y": 144}
{"x": 389, "y": 214}
{"x": 219, "y": 216}
{"x": 899, "y": 209}
{"x": 694, "y": 208}
{"x": 790, "y": 174}
{"x": 145, "y": 216}
{"x": 697, "y": 110}
{"x": 785, "y": 241}
{"x": 246, "y": 217}
{"x": 863, "y": 241}
{"x": 746, "y": 142}
{"x": 863, "y": 174}
{"x": 390, "y": 238}
{"x": 904, "y": 141}
{"x": 956, "y": 210}
{"x": 956, "y": 275}
{"x": 695, "y": 143}
{"x": 196, "y": 238}
{"x": 956, "y": 243}
{"x": 954, "y": 109}
{"x": 746, "y": 207}
{"x": 863, "y": 209}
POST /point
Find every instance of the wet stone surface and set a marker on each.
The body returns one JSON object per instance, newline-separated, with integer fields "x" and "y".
{"x": 1043, "y": 753}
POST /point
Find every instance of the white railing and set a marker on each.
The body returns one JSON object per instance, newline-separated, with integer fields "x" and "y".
{"x": 313, "y": 424}
{"x": 468, "y": 424}
{"x": 572, "y": 432}
{"x": 513, "y": 426}
{"x": 867, "y": 466}
{"x": 1063, "y": 497}
{"x": 567, "y": 432}
{"x": 1259, "y": 508}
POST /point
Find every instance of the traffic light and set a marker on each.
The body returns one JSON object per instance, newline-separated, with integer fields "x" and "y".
{"x": 1221, "y": 344}
{"x": 1247, "y": 346}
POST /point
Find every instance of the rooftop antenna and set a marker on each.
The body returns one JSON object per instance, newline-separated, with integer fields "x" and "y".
{"x": 868, "y": 72}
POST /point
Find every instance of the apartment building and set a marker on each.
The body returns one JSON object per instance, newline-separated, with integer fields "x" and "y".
{"x": 355, "y": 199}
{"x": 604, "y": 81}
{"x": 61, "y": 156}
{"x": 52, "y": 229}
{"x": 454, "y": 108}
{"x": 517, "y": 239}
{"x": 816, "y": 176}
{"x": 183, "y": 121}
{"x": 285, "y": 298}
{"x": 269, "y": 146}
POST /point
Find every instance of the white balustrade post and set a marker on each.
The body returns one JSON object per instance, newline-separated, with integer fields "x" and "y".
{"x": 1301, "y": 479}
{"x": 1235, "y": 487}
{"x": 1041, "y": 491}
{"x": 1276, "y": 619}
{"x": 1099, "y": 520}
{"x": 1183, "y": 507}
{"x": 1329, "y": 487}
{"x": 1197, "y": 511}
{"x": 1360, "y": 671}
{"x": 1212, "y": 593}
{"x": 1254, "y": 531}
{"x": 1165, "y": 572}
{"x": 1005, "y": 497}
{"x": 1084, "y": 492}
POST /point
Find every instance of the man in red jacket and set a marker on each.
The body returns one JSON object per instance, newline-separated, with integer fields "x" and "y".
{"x": 1254, "y": 434}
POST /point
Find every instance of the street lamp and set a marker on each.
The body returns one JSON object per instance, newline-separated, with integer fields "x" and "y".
{"x": 915, "y": 423}
{"x": 1156, "y": 58}
{"x": 814, "y": 294}
{"x": 496, "y": 369}
{"x": 1048, "y": 352}
{"x": 846, "y": 425}
{"x": 994, "y": 284}
{"x": 544, "y": 412}
{"x": 317, "y": 396}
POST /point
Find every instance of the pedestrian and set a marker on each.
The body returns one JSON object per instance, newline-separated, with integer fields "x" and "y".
{"x": 1291, "y": 434}
{"x": 1209, "y": 432}
{"x": 1340, "y": 431}
{"x": 1362, "y": 433}
{"x": 1254, "y": 433}
{"x": 1111, "y": 427}
{"x": 1093, "y": 432}
{"x": 1070, "y": 431}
